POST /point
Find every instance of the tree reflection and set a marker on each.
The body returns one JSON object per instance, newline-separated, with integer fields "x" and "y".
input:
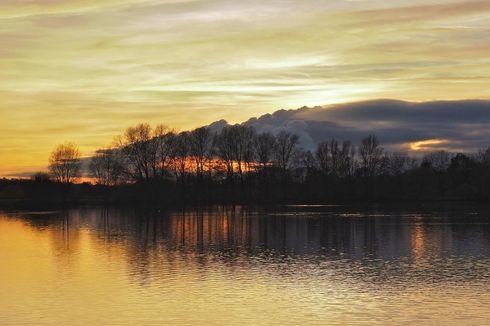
{"x": 150, "y": 240}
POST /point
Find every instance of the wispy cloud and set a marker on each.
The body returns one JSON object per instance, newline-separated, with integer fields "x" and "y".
{"x": 83, "y": 70}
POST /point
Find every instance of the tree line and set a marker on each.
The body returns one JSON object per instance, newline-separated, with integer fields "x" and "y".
{"x": 240, "y": 164}
{"x": 144, "y": 154}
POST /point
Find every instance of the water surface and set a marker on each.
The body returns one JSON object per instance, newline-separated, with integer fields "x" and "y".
{"x": 224, "y": 265}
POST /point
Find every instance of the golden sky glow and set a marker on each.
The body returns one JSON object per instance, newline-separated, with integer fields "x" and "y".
{"x": 425, "y": 145}
{"x": 83, "y": 70}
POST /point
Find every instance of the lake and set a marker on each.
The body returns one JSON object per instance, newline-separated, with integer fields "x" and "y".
{"x": 291, "y": 265}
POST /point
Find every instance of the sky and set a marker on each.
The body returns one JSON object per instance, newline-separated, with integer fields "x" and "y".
{"x": 84, "y": 70}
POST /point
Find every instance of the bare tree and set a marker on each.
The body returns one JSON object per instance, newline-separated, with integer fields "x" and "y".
{"x": 135, "y": 147}
{"x": 141, "y": 147}
{"x": 344, "y": 159}
{"x": 201, "y": 146}
{"x": 398, "y": 163}
{"x": 235, "y": 146}
{"x": 286, "y": 144}
{"x": 180, "y": 155}
{"x": 225, "y": 147}
{"x": 371, "y": 156}
{"x": 64, "y": 163}
{"x": 336, "y": 157}
{"x": 438, "y": 160}
{"x": 333, "y": 159}
{"x": 107, "y": 167}
{"x": 322, "y": 155}
{"x": 303, "y": 163}
{"x": 265, "y": 145}
{"x": 164, "y": 139}
{"x": 246, "y": 153}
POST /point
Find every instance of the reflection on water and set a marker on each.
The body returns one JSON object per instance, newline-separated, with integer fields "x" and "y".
{"x": 231, "y": 265}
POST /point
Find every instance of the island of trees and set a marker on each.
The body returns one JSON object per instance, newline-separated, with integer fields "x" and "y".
{"x": 240, "y": 165}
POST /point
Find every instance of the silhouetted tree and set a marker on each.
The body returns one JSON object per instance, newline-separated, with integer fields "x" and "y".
{"x": 334, "y": 160}
{"x": 41, "y": 177}
{"x": 107, "y": 167}
{"x": 463, "y": 173}
{"x": 286, "y": 144}
{"x": 247, "y": 137}
{"x": 398, "y": 163}
{"x": 180, "y": 155}
{"x": 225, "y": 143}
{"x": 370, "y": 155}
{"x": 303, "y": 164}
{"x": 164, "y": 139}
{"x": 265, "y": 146}
{"x": 322, "y": 155}
{"x": 438, "y": 160}
{"x": 483, "y": 156}
{"x": 140, "y": 151}
{"x": 236, "y": 147}
{"x": 270, "y": 168}
{"x": 64, "y": 163}
{"x": 201, "y": 148}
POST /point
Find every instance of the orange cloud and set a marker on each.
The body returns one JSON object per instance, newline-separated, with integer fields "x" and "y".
{"x": 428, "y": 144}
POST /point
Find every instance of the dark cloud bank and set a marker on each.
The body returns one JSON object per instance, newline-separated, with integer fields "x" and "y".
{"x": 461, "y": 125}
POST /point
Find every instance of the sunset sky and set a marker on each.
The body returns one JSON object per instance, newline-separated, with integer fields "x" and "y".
{"x": 84, "y": 70}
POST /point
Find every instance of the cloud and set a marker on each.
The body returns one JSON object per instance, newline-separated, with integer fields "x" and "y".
{"x": 416, "y": 13}
{"x": 451, "y": 125}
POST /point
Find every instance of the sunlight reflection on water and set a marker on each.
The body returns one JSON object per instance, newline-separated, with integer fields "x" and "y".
{"x": 293, "y": 265}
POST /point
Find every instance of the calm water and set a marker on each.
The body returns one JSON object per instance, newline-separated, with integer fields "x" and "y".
{"x": 292, "y": 265}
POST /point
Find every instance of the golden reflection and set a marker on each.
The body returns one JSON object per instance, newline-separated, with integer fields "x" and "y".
{"x": 418, "y": 241}
{"x": 230, "y": 266}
